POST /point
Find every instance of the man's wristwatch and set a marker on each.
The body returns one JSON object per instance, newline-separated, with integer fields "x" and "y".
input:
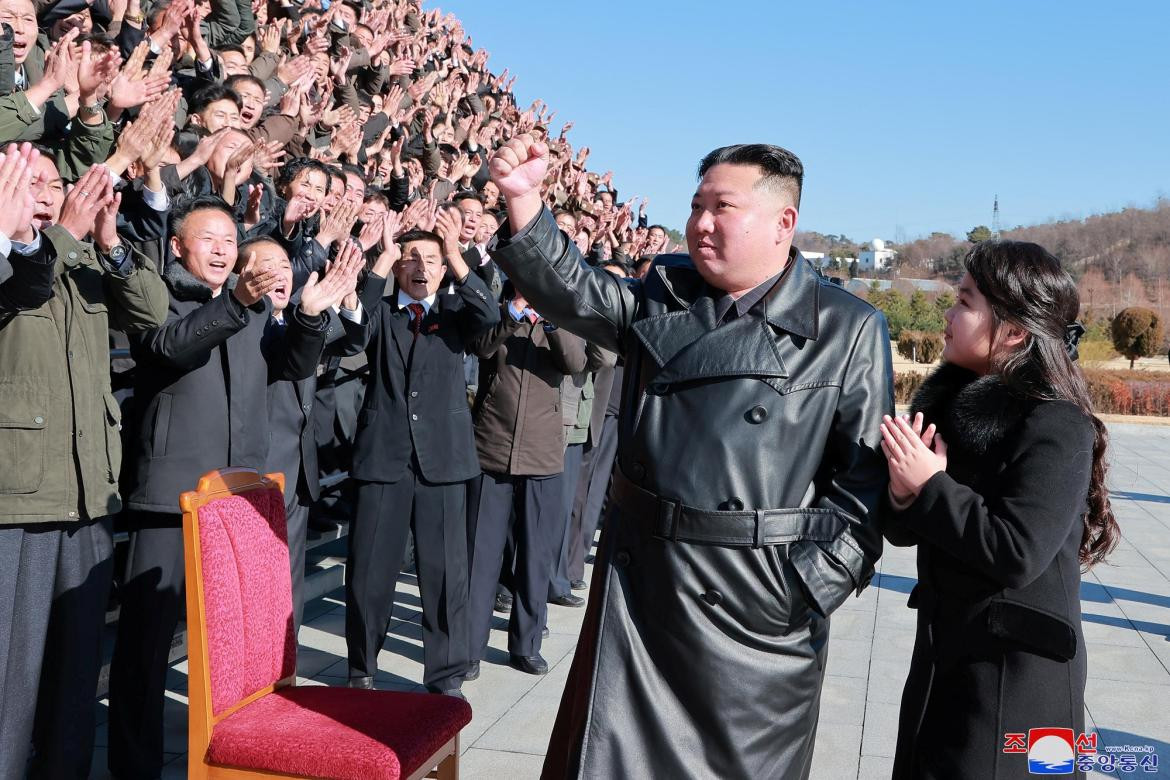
{"x": 117, "y": 254}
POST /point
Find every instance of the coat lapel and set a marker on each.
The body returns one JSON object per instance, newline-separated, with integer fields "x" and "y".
{"x": 400, "y": 333}
{"x": 745, "y": 346}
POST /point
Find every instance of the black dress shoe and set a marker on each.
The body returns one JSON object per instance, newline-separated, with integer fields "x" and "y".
{"x": 578, "y": 584}
{"x": 567, "y": 600}
{"x": 472, "y": 672}
{"x": 529, "y": 664}
{"x": 454, "y": 693}
{"x": 360, "y": 682}
{"x": 503, "y": 603}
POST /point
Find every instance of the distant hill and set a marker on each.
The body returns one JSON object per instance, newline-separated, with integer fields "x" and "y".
{"x": 1120, "y": 259}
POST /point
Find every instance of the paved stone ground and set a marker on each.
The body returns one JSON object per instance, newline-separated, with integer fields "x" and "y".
{"x": 1126, "y": 621}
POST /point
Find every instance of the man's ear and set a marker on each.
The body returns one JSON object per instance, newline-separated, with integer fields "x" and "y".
{"x": 176, "y": 248}
{"x": 786, "y": 224}
{"x": 195, "y": 120}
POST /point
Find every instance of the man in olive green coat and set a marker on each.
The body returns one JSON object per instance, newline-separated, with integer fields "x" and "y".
{"x": 61, "y": 451}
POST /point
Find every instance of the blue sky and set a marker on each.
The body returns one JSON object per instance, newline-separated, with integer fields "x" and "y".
{"x": 909, "y": 116}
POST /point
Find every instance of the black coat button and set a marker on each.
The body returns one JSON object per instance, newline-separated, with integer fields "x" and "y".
{"x": 713, "y": 597}
{"x": 621, "y": 559}
{"x": 637, "y": 471}
{"x": 757, "y": 414}
{"x": 735, "y": 504}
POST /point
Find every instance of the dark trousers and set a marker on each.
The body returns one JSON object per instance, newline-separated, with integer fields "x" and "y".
{"x": 596, "y": 466}
{"x": 152, "y": 603}
{"x": 297, "y": 517}
{"x": 386, "y": 511}
{"x": 538, "y": 502}
{"x": 54, "y": 585}
{"x": 559, "y": 582}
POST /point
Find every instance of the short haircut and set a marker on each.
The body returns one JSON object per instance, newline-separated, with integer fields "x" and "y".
{"x": 212, "y": 93}
{"x": 420, "y": 235}
{"x": 354, "y": 170}
{"x": 185, "y": 207}
{"x": 335, "y": 174}
{"x": 468, "y": 195}
{"x": 245, "y": 78}
{"x": 246, "y": 245}
{"x": 660, "y": 227}
{"x": 290, "y": 170}
{"x": 781, "y": 170}
{"x": 232, "y": 47}
{"x": 376, "y": 196}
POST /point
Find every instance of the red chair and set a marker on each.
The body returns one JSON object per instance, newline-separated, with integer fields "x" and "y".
{"x": 247, "y": 716}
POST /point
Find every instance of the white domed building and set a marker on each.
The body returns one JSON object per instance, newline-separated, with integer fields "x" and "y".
{"x": 877, "y": 257}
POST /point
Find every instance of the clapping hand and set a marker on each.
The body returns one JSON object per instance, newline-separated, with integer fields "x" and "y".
{"x": 911, "y": 457}
{"x": 337, "y": 284}
{"x": 255, "y": 281}
{"x": 16, "y": 170}
{"x": 93, "y": 192}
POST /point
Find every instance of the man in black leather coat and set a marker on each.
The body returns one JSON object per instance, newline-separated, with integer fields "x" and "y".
{"x": 748, "y": 475}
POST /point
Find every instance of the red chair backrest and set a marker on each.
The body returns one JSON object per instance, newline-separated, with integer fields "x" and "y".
{"x": 247, "y": 592}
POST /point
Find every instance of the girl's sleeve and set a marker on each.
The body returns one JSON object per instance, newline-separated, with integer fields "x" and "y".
{"x": 1013, "y": 534}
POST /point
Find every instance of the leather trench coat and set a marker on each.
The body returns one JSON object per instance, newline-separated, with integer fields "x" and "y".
{"x": 748, "y": 475}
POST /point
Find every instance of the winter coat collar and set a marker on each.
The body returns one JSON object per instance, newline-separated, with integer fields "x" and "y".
{"x": 792, "y": 305}
{"x": 185, "y": 287}
{"x": 975, "y": 412}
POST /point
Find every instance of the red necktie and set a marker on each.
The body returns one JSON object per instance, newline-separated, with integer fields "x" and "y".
{"x": 417, "y": 312}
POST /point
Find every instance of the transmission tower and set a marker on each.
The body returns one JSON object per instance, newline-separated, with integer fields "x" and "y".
{"x": 995, "y": 218}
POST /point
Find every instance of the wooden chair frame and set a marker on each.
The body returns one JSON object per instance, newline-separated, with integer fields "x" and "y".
{"x": 443, "y": 764}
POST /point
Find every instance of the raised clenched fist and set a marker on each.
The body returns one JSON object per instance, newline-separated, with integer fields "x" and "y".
{"x": 518, "y": 167}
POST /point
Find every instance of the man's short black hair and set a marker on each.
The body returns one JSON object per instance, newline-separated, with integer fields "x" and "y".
{"x": 660, "y": 227}
{"x": 468, "y": 195}
{"x": 290, "y": 170}
{"x": 420, "y": 235}
{"x": 185, "y": 207}
{"x": 245, "y": 247}
{"x": 234, "y": 48}
{"x": 354, "y": 170}
{"x": 241, "y": 78}
{"x": 212, "y": 93}
{"x": 781, "y": 169}
{"x": 376, "y": 196}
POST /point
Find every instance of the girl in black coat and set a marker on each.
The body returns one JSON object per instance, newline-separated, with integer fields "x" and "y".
{"x": 1003, "y": 492}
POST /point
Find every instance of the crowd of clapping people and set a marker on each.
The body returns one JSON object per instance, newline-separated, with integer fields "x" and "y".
{"x": 251, "y": 196}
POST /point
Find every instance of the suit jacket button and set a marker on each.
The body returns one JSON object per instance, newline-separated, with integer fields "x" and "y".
{"x": 713, "y": 597}
{"x": 621, "y": 559}
{"x": 757, "y": 414}
{"x": 637, "y": 470}
{"x": 414, "y": 417}
{"x": 735, "y": 504}
{"x": 414, "y": 393}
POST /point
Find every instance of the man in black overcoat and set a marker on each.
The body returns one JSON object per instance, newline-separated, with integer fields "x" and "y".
{"x": 747, "y": 479}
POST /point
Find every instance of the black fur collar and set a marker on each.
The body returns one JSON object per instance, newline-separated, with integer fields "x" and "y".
{"x": 972, "y": 412}
{"x": 185, "y": 287}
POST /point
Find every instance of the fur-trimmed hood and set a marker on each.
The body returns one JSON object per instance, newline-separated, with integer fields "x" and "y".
{"x": 972, "y": 412}
{"x": 185, "y": 287}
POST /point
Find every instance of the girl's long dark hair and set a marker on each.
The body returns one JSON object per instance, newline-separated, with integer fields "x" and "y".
{"x": 1026, "y": 286}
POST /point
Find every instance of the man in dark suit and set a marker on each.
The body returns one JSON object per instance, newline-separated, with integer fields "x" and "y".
{"x": 292, "y": 445}
{"x": 413, "y": 455}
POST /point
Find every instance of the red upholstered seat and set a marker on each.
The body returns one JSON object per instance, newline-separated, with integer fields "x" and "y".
{"x": 247, "y": 594}
{"x": 247, "y": 716}
{"x": 338, "y": 732}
